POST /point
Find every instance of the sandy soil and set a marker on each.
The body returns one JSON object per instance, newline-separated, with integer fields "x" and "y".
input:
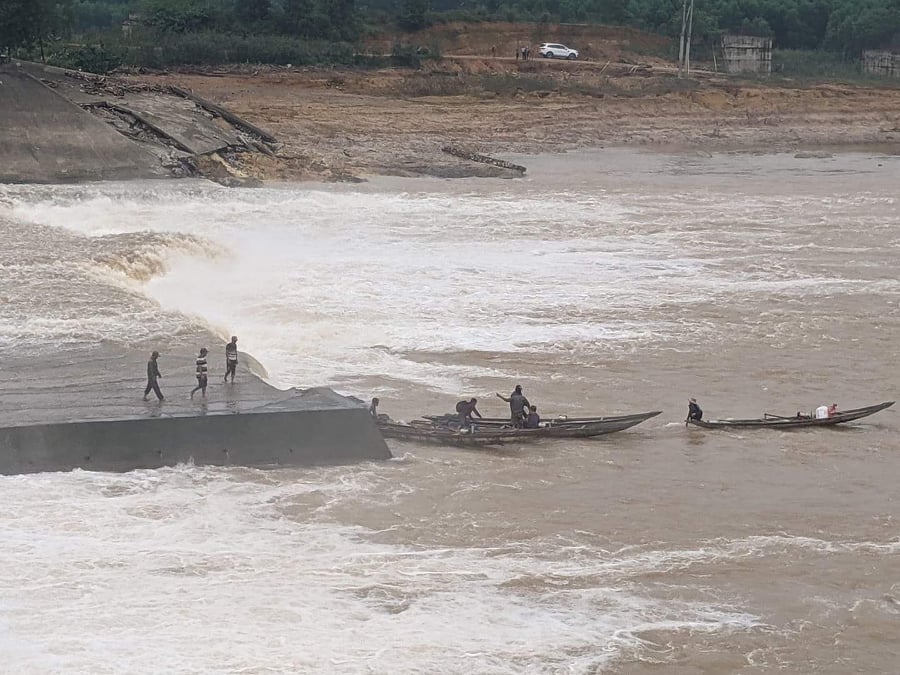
{"x": 345, "y": 124}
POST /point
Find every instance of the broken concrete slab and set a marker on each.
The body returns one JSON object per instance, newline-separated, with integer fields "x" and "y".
{"x": 45, "y": 137}
{"x": 171, "y": 125}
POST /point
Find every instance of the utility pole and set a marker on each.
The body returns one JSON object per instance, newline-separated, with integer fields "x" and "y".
{"x": 684, "y": 45}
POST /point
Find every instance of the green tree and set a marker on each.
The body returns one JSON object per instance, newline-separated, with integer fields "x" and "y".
{"x": 26, "y": 22}
{"x": 862, "y": 24}
{"x": 252, "y": 10}
{"x": 15, "y": 24}
{"x": 177, "y": 16}
{"x": 301, "y": 17}
{"x": 413, "y": 14}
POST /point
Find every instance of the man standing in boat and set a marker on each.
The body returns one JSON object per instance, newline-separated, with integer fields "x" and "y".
{"x": 231, "y": 358}
{"x": 518, "y": 404}
{"x": 153, "y": 375}
{"x": 466, "y": 409}
{"x": 694, "y": 411}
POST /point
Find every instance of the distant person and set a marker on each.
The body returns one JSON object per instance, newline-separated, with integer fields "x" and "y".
{"x": 153, "y": 375}
{"x": 231, "y": 358}
{"x": 517, "y": 53}
{"x": 494, "y": 50}
{"x": 373, "y": 408}
{"x": 465, "y": 410}
{"x": 524, "y": 53}
{"x": 518, "y": 404}
{"x": 533, "y": 420}
{"x": 832, "y": 410}
{"x": 694, "y": 411}
{"x": 202, "y": 373}
{"x": 822, "y": 412}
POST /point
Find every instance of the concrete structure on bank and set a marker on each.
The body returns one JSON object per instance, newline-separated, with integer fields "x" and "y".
{"x": 881, "y": 62}
{"x": 315, "y": 426}
{"x": 747, "y": 54}
{"x": 66, "y": 126}
{"x": 46, "y": 138}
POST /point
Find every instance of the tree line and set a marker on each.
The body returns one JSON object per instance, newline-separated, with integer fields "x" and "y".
{"x": 845, "y": 26}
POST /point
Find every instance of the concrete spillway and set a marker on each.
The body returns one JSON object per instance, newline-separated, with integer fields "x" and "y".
{"x": 316, "y": 426}
{"x": 46, "y": 138}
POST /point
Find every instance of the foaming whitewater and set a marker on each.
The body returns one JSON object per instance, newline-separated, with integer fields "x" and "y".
{"x": 132, "y": 563}
{"x": 328, "y": 284}
{"x": 316, "y": 281}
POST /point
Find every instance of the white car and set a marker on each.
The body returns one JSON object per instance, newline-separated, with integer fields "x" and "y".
{"x": 554, "y": 50}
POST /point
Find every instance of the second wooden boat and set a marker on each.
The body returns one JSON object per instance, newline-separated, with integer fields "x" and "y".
{"x": 780, "y": 422}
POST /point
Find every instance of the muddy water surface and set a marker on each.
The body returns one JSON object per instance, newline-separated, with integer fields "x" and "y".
{"x": 603, "y": 282}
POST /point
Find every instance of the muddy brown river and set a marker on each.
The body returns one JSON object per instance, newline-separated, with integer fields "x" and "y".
{"x": 603, "y": 282}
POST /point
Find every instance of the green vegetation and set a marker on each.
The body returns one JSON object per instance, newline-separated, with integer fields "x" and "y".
{"x": 166, "y": 32}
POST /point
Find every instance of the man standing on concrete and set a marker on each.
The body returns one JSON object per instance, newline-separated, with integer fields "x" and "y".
{"x": 153, "y": 375}
{"x": 202, "y": 373}
{"x": 231, "y": 358}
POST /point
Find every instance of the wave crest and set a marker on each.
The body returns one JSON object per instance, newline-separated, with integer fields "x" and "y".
{"x": 142, "y": 256}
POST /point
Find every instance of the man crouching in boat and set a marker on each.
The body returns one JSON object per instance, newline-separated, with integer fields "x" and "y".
{"x": 466, "y": 409}
{"x": 533, "y": 420}
{"x": 694, "y": 411}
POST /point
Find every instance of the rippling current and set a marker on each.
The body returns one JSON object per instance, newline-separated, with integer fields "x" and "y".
{"x": 603, "y": 282}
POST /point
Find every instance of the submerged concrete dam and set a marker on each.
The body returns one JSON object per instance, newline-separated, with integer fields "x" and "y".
{"x": 315, "y": 426}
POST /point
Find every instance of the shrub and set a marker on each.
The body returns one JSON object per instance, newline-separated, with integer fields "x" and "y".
{"x": 90, "y": 58}
{"x": 213, "y": 48}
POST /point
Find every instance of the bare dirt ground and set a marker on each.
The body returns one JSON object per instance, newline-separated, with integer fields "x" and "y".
{"x": 344, "y": 124}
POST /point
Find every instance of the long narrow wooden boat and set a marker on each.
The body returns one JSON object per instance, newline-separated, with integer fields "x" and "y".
{"x": 451, "y": 421}
{"x": 779, "y": 422}
{"x": 428, "y": 433}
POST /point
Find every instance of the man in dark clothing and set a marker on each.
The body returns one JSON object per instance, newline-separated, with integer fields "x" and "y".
{"x": 694, "y": 411}
{"x": 466, "y": 409}
{"x": 373, "y": 408}
{"x": 518, "y": 404}
{"x": 152, "y": 376}
{"x": 231, "y": 358}
{"x": 533, "y": 420}
{"x": 202, "y": 373}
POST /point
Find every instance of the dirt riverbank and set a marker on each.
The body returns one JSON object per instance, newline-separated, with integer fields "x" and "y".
{"x": 343, "y": 124}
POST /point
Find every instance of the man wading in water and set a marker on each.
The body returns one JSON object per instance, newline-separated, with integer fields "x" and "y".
{"x": 231, "y": 358}
{"x": 152, "y": 376}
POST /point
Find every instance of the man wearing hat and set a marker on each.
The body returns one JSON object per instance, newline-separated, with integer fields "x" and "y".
{"x": 518, "y": 404}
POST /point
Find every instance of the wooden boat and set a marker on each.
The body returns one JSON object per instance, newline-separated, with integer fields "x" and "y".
{"x": 769, "y": 421}
{"x": 427, "y": 432}
{"x": 451, "y": 421}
